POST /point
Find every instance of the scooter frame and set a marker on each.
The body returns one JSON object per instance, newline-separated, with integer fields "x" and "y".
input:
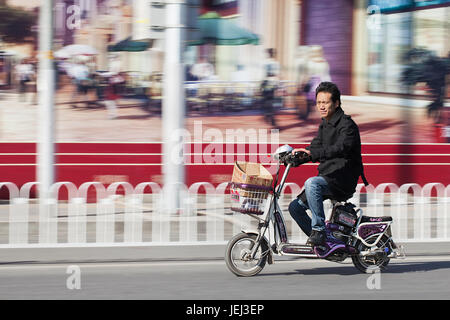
{"x": 273, "y": 214}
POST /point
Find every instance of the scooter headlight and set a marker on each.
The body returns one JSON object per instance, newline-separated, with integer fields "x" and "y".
{"x": 282, "y": 151}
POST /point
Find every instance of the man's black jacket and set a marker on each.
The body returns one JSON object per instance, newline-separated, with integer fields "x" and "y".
{"x": 337, "y": 147}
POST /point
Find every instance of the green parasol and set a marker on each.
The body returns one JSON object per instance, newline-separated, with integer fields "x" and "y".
{"x": 130, "y": 45}
{"x": 221, "y": 31}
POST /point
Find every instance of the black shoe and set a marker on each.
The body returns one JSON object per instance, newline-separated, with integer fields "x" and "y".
{"x": 274, "y": 248}
{"x": 317, "y": 238}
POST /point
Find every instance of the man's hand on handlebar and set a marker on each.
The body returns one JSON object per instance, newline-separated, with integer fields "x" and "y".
{"x": 300, "y": 152}
{"x": 298, "y": 157}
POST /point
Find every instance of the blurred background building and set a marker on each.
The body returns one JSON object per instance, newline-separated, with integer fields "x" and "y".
{"x": 363, "y": 41}
{"x": 361, "y": 45}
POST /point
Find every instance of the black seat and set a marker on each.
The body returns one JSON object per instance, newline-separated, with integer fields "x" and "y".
{"x": 375, "y": 219}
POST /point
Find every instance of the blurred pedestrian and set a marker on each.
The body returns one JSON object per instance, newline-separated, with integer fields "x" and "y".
{"x": 24, "y": 74}
{"x": 203, "y": 70}
{"x": 115, "y": 65}
{"x": 115, "y": 81}
{"x": 268, "y": 89}
{"x": 317, "y": 64}
{"x": 318, "y": 71}
{"x": 269, "y": 86}
{"x": 301, "y": 66}
{"x": 113, "y": 94}
{"x": 188, "y": 74}
{"x": 80, "y": 75}
{"x": 271, "y": 65}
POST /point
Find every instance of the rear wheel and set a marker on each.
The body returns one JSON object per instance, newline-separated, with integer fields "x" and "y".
{"x": 374, "y": 262}
{"x": 237, "y": 255}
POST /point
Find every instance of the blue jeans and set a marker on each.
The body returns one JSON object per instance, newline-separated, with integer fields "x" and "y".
{"x": 315, "y": 189}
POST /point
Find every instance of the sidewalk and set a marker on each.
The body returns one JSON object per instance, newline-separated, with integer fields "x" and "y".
{"x": 173, "y": 250}
{"x": 187, "y": 252}
{"x": 400, "y": 102}
{"x": 379, "y": 120}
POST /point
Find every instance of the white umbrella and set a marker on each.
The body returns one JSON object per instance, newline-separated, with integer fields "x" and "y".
{"x": 75, "y": 50}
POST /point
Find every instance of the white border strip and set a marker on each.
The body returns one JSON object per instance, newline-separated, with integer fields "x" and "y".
{"x": 199, "y": 154}
{"x": 223, "y": 142}
{"x": 210, "y": 164}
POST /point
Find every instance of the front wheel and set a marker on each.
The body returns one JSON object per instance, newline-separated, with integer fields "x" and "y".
{"x": 237, "y": 255}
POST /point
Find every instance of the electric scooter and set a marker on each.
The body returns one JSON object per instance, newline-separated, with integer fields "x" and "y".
{"x": 366, "y": 240}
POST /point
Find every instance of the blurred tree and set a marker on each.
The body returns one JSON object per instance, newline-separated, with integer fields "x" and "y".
{"x": 424, "y": 66}
{"x": 15, "y": 24}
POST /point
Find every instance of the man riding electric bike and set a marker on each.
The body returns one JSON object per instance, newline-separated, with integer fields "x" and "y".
{"x": 337, "y": 147}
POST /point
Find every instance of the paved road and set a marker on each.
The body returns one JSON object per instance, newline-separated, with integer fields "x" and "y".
{"x": 420, "y": 277}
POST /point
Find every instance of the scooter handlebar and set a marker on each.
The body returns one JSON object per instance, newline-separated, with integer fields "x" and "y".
{"x": 296, "y": 159}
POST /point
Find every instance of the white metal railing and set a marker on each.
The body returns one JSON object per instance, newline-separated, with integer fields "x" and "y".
{"x": 136, "y": 215}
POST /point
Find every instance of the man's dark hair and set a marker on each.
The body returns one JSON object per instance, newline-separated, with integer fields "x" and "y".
{"x": 330, "y": 87}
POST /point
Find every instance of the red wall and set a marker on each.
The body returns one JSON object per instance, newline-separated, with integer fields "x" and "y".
{"x": 141, "y": 162}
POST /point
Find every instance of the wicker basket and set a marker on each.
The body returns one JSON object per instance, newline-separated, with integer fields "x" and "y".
{"x": 248, "y": 199}
{"x": 250, "y": 186}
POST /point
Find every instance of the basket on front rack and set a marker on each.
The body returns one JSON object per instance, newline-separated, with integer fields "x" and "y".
{"x": 248, "y": 198}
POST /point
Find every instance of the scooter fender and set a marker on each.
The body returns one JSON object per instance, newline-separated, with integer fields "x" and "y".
{"x": 255, "y": 232}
